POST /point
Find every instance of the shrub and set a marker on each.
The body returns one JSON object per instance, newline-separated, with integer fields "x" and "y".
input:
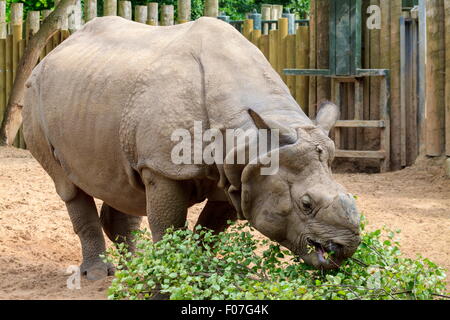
{"x": 227, "y": 266}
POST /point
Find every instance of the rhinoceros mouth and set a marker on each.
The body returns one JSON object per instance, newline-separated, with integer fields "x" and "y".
{"x": 324, "y": 255}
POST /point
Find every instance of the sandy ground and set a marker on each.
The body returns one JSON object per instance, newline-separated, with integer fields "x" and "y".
{"x": 37, "y": 242}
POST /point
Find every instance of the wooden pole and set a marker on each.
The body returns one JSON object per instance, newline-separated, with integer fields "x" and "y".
{"x": 140, "y": 14}
{"x": 282, "y": 36}
{"x": 32, "y": 24}
{"x": 265, "y": 15}
{"x": 396, "y": 147}
{"x": 167, "y": 15}
{"x": 90, "y": 9}
{"x": 184, "y": 11}
{"x": 447, "y": 77}
{"x": 125, "y": 9}
{"x": 3, "y": 26}
{"x": 17, "y": 27}
{"x": 421, "y": 115}
{"x": 74, "y": 19}
{"x": 435, "y": 78}
{"x": 312, "y": 59}
{"x": 273, "y": 49}
{"x": 302, "y": 62}
{"x": 323, "y": 83}
{"x": 2, "y": 59}
{"x": 375, "y": 63}
{"x": 211, "y": 8}
{"x": 248, "y": 29}
{"x": 49, "y": 44}
{"x": 152, "y": 14}
{"x": 110, "y": 8}
{"x": 290, "y": 62}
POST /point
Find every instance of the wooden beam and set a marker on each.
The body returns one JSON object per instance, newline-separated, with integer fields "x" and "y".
{"x": 359, "y": 154}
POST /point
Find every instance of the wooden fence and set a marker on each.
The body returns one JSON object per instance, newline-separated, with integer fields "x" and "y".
{"x": 437, "y": 135}
{"x": 304, "y": 44}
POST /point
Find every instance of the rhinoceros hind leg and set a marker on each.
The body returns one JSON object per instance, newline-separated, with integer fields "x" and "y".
{"x": 119, "y": 226}
{"x": 215, "y": 215}
{"x": 86, "y": 224}
{"x": 167, "y": 203}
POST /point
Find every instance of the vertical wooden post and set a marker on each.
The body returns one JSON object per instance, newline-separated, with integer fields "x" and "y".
{"x": 17, "y": 27}
{"x": 422, "y": 76}
{"x": 211, "y": 8}
{"x": 248, "y": 29}
{"x": 110, "y": 8}
{"x": 282, "y": 36}
{"x": 274, "y": 15}
{"x": 74, "y": 19}
{"x": 312, "y": 59}
{"x": 140, "y": 14}
{"x": 447, "y": 76}
{"x": 125, "y": 9}
{"x": 323, "y": 83}
{"x": 184, "y": 11}
{"x": 396, "y": 12}
{"x": 167, "y": 15}
{"x": 32, "y": 23}
{"x": 403, "y": 90}
{"x": 435, "y": 78}
{"x": 2, "y": 59}
{"x": 3, "y": 26}
{"x": 152, "y": 13}
{"x": 90, "y": 9}
{"x": 265, "y": 13}
{"x": 302, "y": 62}
{"x": 49, "y": 44}
{"x": 375, "y": 63}
{"x": 273, "y": 49}
{"x": 290, "y": 62}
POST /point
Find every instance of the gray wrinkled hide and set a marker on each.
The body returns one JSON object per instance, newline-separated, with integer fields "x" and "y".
{"x": 108, "y": 99}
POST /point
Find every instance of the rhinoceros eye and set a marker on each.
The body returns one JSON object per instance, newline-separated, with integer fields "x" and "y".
{"x": 306, "y": 204}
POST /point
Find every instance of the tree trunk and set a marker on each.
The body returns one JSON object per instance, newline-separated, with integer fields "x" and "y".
{"x": 13, "y": 116}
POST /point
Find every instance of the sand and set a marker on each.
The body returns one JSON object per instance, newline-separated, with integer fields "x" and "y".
{"x": 37, "y": 243}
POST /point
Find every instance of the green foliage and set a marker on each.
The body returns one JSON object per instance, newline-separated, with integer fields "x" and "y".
{"x": 236, "y": 9}
{"x": 226, "y": 266}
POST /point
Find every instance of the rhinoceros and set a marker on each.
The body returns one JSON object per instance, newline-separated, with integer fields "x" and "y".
{"x": 100, "y": 111}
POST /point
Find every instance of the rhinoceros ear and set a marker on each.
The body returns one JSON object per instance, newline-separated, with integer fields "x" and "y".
{"x": 327, "y": 116}
{"x": 287, "y": 135}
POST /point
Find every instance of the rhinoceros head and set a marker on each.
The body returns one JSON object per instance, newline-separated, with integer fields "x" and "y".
{"x": 301, "y": 206}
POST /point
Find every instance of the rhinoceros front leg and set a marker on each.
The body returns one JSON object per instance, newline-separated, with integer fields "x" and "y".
{"x": 119, "y": 226}
{"x": 215, "y": 215}
{"x": 167, "y": 203}
{"x": 86, "y": 224}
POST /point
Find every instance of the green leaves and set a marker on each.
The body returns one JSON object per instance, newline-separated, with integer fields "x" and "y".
{"x": 235, "y": 265}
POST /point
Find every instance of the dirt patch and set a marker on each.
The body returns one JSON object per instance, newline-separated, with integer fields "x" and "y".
{"x": 37, "y": 242}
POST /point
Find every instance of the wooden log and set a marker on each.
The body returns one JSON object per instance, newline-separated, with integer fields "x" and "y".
{"x": 396, "y": 12}
{"x": 247, "y": 28}
{"x": 375, "y": 63}
{"x": 9, "y": 67}
{"x": 74, "y": 19}
{"x": 302, "y": 62}
{"x": 167, "y": 15}
{"x": 265, "y": 15}
{"x": 435, "y": 93}
{"x": 368, "y": 142}
{"x": 110, "y": 8}
{"x": 49, "y": 44}
{"x": 290, "y": 62}
{"x": 422, "y": 77}
{"x": 90, "y": 9}
{"x": 281, "y": 43}
{"x": 125, "y": 9}
{"x": 447, "y": 77}
{"x": 2, "y": 79}
{"x": 211, "y": 8}
{"x": 256, "y": 36}
{"x": 140, "y": 14}
{"x": 273, "y": 49}
{"x": 359, "y": 112}
{"x": 412, "y": 126}
{"x": 264, "y": 45}
{"x": 17, "y": 29}
{"x": 3, "y": 26}
{"x": 32, "y": 24}
{"x": 322, "y": 50}
{"x": 184, "y": 11}
{"x": 21, "y": 139}
{"x": 152, "y": 13}
{"x": 404, "y": 79}
{"x": 312, "y": 103}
